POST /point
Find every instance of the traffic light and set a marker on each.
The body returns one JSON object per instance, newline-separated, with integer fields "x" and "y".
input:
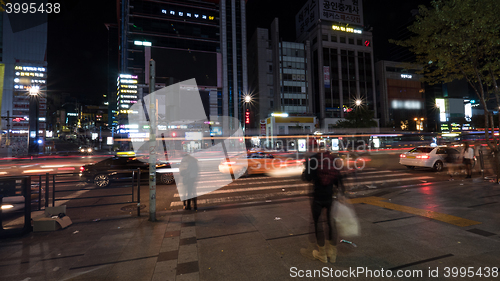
{"x": 247, "y": 117}
{"x": 174, "y": 134}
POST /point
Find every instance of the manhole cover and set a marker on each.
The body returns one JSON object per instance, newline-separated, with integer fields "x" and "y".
{"x": 130, "y": 208}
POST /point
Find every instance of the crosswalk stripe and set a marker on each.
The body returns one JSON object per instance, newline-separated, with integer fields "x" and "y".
{"x": 235, "y": 190}
{"x": 377, "y": 176}
{"x": 235, "y": 198}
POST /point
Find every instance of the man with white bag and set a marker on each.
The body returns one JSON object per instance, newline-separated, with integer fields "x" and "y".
{"x": 323, "y": 169}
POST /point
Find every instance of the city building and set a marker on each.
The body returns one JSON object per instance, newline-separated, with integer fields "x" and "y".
{"x": 278, "y": 75}
{"x": 204, "y": 40}
{"x": 401, "y": 96}
{"x": 343, "y": 70}
{"x": 23, "y": 95}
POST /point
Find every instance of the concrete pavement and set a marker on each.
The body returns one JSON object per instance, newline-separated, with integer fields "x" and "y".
{"x": 262, "y": 240}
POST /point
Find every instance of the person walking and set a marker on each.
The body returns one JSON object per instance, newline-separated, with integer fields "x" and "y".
{"x": 322, "y": 169}
{"x": 189, "y": 171}
{"x": 468, "y": 158}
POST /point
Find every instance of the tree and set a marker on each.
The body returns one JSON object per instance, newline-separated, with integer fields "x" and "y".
{"x": 359, "y": 117}
{"x": 459, "y": 39}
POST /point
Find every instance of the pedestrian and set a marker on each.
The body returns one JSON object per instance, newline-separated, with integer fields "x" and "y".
{"x": 323, "y": 169}
{"x": 450, "y": 160}
{"x": 468, "y": 158}
{"x": 189, "y": 171}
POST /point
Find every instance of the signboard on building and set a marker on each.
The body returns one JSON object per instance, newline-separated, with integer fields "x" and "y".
{"x": 262, "y": 128}
{"x": 341, "y": 11}
{"x": 326, "y": 76}
{"x": 307, "y": 17}
{"x": 345, "y": 11}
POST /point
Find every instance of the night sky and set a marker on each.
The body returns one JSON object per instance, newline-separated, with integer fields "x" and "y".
{"x": 77, "y": 51}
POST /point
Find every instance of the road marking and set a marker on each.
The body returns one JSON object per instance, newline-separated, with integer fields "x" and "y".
{"x": 379, "y": 201}
{"x": 236, "y": 198}
{"x": 234, "y": 190}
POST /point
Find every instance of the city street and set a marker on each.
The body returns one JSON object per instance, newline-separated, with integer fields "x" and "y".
{"x": 412, "y": 222}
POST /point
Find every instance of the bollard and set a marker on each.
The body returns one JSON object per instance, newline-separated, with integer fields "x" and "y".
{"x": 138, "y": 192}
{"x": 53, "y": 190}
{"x": 39, "y": 192}
{"x": 133, "y": 175}
{"x": 47, "y": 190}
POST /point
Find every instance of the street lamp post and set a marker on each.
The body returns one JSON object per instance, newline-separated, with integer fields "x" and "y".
{"x": 246, "y": 101}
{"x": 34, "y": 106}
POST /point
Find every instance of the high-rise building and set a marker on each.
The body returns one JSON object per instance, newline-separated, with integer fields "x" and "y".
{"x": 23, "y": 54}
{"x": 201, "y": 39}
{"x": 343, "y": 75}
{"x": 279, "y": 73}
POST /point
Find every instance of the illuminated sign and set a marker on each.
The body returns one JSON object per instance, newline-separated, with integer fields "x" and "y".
{"x": 138, "y": 135}
{"x": 194, "y": 136}
{"x": 346, "y": 29}
{"x": 128, "y": 76}
{"x": 247, "y": 117}
{"x": 440, "y": 103}
{"x": 367, "y": 43}
{"x": 406, "y": 104}
{"x": 279, "y": 114}
{"x": 128, "y": 81}
{"x": 71, "y": 114}
{"x": 406, "y": 76}
{"x": 186, "y": 14}
{"x": 130, "y": 126}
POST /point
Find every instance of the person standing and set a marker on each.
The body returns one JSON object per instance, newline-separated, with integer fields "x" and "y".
{"x": 322, "y": 170}
{"x": 189, "y": 171}
{"x": 468, "y": 158}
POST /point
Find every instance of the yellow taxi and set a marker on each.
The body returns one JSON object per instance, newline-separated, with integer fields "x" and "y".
{"x": 258, "y": 163}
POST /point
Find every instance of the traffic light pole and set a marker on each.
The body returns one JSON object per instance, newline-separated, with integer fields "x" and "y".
{"x": 152, "y": 142}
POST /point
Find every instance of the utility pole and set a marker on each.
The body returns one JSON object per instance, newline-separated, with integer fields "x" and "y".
{"x": 152, "y": 142}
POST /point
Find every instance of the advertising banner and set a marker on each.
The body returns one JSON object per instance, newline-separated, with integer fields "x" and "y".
{"x": 345, "y": 11}
{"x": 326, "y": 76}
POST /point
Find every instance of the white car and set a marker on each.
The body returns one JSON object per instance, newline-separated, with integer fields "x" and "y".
{"x": 429, "y": 157}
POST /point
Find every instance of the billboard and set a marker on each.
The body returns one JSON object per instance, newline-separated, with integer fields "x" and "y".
{"x": 340, "y": 11}
{"x": 344, "y": 11}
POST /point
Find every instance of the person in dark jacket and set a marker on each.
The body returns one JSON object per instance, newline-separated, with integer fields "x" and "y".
{"x": 189, "y": 171}
{"x": 322, "y": 198}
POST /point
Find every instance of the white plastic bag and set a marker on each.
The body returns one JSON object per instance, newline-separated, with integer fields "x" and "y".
{"x": 346, "y": 220}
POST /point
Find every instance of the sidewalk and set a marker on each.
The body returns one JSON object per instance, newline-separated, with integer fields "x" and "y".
{"x": 262, "y": 241}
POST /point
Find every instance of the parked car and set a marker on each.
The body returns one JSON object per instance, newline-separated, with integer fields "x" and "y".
{"x": 120, "y": 169}
{"x": 430, "y": 157}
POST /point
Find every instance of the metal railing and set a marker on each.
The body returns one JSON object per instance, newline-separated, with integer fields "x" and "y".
{"x": 50, "y": 193}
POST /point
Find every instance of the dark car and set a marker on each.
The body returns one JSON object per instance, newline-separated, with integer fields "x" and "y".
{"x": 120, "y": 169}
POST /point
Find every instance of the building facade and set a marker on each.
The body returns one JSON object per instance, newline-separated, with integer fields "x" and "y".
{"x": 401, "y": 96}
{"x": 23, "y": 55}
{"x": 279, "y": 75}
{"x": 200, "y": 39}
{"x": 343, "y": 74}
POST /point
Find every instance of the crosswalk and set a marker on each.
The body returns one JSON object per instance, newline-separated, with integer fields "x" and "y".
{"x": 259, "y": 188}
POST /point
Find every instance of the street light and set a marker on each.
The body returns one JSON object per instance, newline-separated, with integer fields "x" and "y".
{"x": 358, "y": 102}
{"x": 246, "y": 100}
{"x": 34, "y": 107}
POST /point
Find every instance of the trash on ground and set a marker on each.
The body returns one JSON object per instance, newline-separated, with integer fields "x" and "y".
{"x": 348, "y": 242}
{"x": 96, "y": 220}
{"x": 268, "y": 201}
{"x": 56, "y": 268}
{"x": 76, "y": 231}
{"x": 277, "y": 218}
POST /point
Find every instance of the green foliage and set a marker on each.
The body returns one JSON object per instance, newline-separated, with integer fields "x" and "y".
{"x": 460, "y": 39}
{"x": 457, "y": 39}
{"x": 357, "y": 118}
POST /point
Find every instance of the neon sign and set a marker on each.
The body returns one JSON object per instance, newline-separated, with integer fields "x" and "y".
{"x": 346, "y": 29}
